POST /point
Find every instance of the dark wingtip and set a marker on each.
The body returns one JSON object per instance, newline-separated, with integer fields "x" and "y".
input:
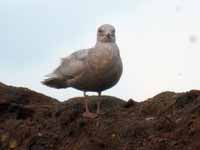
{"x": 55, "y": 83}
{"x": 43, "y": 82}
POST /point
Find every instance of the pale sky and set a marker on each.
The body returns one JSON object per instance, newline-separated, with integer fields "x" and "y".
{"x": 159, "y": 42}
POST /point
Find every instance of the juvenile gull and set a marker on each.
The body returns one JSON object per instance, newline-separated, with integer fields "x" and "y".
{"x": 95, "y": 69}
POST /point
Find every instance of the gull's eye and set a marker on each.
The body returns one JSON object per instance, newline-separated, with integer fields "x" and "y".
{"x": 100, "y": 31}
{"x": 113, "y": 31}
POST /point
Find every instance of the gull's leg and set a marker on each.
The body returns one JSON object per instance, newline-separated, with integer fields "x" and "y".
{"x": 87, "y": 112}
{"x": 86, "y": 103}
{"x": 99, "y": 104}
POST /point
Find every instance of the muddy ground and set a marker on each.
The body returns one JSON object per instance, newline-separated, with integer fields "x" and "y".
{"x": 33, "y": 121}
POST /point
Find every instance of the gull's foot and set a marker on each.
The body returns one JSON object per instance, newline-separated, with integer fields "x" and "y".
{"x": 89, "y": 115}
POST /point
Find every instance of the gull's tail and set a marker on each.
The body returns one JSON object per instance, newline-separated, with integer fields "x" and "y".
{"x": 55, "y": 83}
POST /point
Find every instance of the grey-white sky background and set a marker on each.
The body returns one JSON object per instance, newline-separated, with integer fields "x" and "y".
{"x": 158, "y": 39}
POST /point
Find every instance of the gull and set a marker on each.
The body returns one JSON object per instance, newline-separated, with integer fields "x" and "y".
{"x": 90, "y": 70}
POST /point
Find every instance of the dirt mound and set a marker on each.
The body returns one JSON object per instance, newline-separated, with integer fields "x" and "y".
{"x": 32, "y": 121}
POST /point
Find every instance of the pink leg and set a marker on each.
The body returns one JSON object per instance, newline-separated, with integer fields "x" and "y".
{"x": 87, "y": 112}
{"x": 99, "y": 105}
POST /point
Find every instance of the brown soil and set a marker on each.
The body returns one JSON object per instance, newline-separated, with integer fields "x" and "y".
{"x": 32, "y": 121}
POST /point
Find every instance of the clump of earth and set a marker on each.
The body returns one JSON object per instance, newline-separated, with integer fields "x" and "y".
{"x": 33, "y": 121}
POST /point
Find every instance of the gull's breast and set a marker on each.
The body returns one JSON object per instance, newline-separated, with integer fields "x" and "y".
{"x": 104, "y": 68}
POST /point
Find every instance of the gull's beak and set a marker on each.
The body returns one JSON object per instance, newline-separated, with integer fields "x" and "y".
{"x": 108, "y": 35}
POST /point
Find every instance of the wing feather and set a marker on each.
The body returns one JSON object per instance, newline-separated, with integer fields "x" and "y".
{"x": 71, "y": 66}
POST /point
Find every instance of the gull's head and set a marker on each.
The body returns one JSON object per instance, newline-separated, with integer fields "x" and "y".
{"x": 106, "y": 34}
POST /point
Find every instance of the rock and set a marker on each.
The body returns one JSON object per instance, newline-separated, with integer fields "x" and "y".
{"x": 33, "y": 121}
{"x": 130, "y": 103}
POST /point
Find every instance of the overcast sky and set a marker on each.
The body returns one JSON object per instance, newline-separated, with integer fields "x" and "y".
{"x": 159, "y": 42}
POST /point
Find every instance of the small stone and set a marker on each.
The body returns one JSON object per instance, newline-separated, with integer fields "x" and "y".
{"x": 130, "y": 103}
{"x": 149, "y": 118}
{"x": 12, "y": 144}
{"x": 178, "y": 120}
{"x": 113, "y": 135}
{"x": 4, "y": 137}
{"x": 39, "y": 134}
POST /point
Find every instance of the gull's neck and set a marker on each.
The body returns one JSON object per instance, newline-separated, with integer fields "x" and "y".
{"x": 98, "y": 43}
